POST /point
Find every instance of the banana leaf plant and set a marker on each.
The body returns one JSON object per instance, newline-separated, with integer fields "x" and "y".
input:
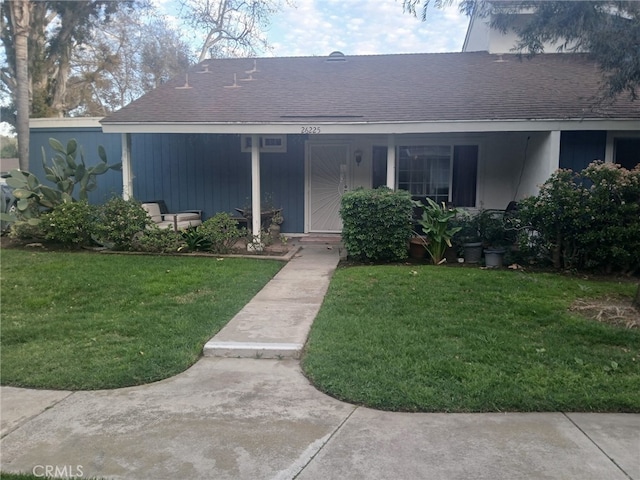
{"x": 436, "y": 229}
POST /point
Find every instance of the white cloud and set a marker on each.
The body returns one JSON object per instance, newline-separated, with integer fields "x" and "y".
{"x": 356, "y": 27}
{"x": 317, "y": 27}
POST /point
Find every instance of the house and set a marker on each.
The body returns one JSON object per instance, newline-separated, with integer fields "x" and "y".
{"x": 476, "y": 128}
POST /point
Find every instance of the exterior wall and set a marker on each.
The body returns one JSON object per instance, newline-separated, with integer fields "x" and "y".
{"x": 481, "y": 38}
{"x": 209, "y": 172}
{"x": 543, "y": 159}
{"x": 510, "y": 164}
{"x": 500, "y": 163}
{"x": 197, "y": 171}
{"x": 514, "y": 164}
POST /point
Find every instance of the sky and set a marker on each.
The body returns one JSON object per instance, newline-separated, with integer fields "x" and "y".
{"x": 363, "y": 27}
{"x": 355, "y": 27}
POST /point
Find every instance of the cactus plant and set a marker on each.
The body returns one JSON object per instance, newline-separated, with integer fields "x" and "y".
{"x": 65, "y": 171}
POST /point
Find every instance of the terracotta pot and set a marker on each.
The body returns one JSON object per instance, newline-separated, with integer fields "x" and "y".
{"x": 416, "y": 248}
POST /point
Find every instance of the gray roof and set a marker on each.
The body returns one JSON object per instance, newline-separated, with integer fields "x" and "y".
{"x": 379, "y": 89}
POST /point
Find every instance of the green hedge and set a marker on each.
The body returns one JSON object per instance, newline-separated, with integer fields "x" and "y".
{"x": 376, "y": 224}
{"x": 587, "y": 220}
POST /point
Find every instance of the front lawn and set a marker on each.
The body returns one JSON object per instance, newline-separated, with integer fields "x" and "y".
{"x": 88, "y": 321}
{"x": 424, "y": 338}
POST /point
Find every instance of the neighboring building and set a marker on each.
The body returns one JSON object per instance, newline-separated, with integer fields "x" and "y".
{"x": 473, "y": 128}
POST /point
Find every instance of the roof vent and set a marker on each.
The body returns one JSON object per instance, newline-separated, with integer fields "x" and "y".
{"x": 336, "y": 57}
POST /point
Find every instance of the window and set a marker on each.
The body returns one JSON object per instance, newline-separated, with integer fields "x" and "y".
{"x": 443, "y": 173}
{"x": 271, "y": 143}
{"x": 425, "y": 171}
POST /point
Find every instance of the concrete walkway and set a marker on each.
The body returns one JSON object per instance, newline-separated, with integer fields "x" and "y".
{"x": 276, "y": 322}
{"x": 248, "y": 418}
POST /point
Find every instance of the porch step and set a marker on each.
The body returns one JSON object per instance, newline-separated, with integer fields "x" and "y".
{"x": 252, "y": 350}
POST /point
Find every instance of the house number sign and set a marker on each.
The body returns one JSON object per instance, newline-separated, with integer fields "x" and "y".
{"x": 310, "y": 130}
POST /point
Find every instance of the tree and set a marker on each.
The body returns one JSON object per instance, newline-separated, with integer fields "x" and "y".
{"x": 19, "y": 17}
{"x": 608, "y": 30}
{"x": 85, "y": 57}
{"x": 134, "y": 53}
{"x": 231, "y": 27}
{"x": 37, "y": 39}
{"x": 9, "y": 147}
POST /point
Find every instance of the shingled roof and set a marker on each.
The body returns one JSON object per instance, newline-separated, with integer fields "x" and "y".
{"x": 379, "y": 89}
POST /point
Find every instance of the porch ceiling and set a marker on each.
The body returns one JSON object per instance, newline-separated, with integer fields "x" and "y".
{"x": 378, "y": 94}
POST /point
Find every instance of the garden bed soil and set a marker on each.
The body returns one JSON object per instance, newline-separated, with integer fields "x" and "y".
{"x": 274, "y": 250}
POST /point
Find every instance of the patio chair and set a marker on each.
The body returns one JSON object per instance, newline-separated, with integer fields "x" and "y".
{"x": 174, "y": 221}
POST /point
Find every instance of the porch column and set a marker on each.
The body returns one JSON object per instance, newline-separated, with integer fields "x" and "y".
{"x": 127, "y": 173}
{"x": 391, "y": 162}
{"x": 256, "y": 208}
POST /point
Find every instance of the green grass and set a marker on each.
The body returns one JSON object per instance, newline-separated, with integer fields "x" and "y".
{"x": 423, "y": 338}
{"x": 74, "y": 320}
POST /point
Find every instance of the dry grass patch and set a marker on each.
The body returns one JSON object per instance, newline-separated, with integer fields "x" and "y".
{"x": 611, "y": 310}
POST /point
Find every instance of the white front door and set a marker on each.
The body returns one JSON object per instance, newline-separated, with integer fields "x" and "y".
{"x": 328, "y": 180}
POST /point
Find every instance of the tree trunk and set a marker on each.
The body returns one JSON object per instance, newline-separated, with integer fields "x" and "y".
{"x": 636, "y": 299}
{"x": 20, "y": 16}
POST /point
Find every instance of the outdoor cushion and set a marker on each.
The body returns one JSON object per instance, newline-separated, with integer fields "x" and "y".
{"x": 153, "y": 210}
{"x": 174, "y": 221}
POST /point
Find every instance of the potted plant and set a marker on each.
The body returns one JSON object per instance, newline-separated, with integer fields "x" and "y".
{"x": 493, "y": 236}
{"x": 437, "y": 230}
{"x": 417, "y": 246}
{"x": 276, "y": 221}
{"x": 468, "y": 237}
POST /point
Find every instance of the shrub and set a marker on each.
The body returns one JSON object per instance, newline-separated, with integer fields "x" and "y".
{"x": 119, "y": 220}
{"x": 156, "y": 240}
{"x": 222, "y": 231}
{"x": 70, "y": 223}
{"x": 195, "y": 240}
{"x": 589, "y": 219}
{"x": 26, "y": 231}
{"x": 376, "y": 224}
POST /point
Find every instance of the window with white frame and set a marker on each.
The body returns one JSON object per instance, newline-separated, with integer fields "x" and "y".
{"x": 444, "y": 173}
{"x": 270, "y": 143}
{"x": 425, "y": 171}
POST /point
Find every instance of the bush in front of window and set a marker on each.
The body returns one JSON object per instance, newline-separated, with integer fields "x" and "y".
{"x": 376, "y": 224}
{"x": 588, "y": 219}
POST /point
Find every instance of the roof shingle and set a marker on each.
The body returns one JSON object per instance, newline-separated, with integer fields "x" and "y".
{"x": 379, "y": 89}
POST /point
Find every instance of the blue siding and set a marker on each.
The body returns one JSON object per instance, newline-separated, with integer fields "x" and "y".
{"x": 206, "y": 172}
{"x": 579, "y": 148}
{"x": 209, "y": 172}
{"x": 109, "y": 184}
